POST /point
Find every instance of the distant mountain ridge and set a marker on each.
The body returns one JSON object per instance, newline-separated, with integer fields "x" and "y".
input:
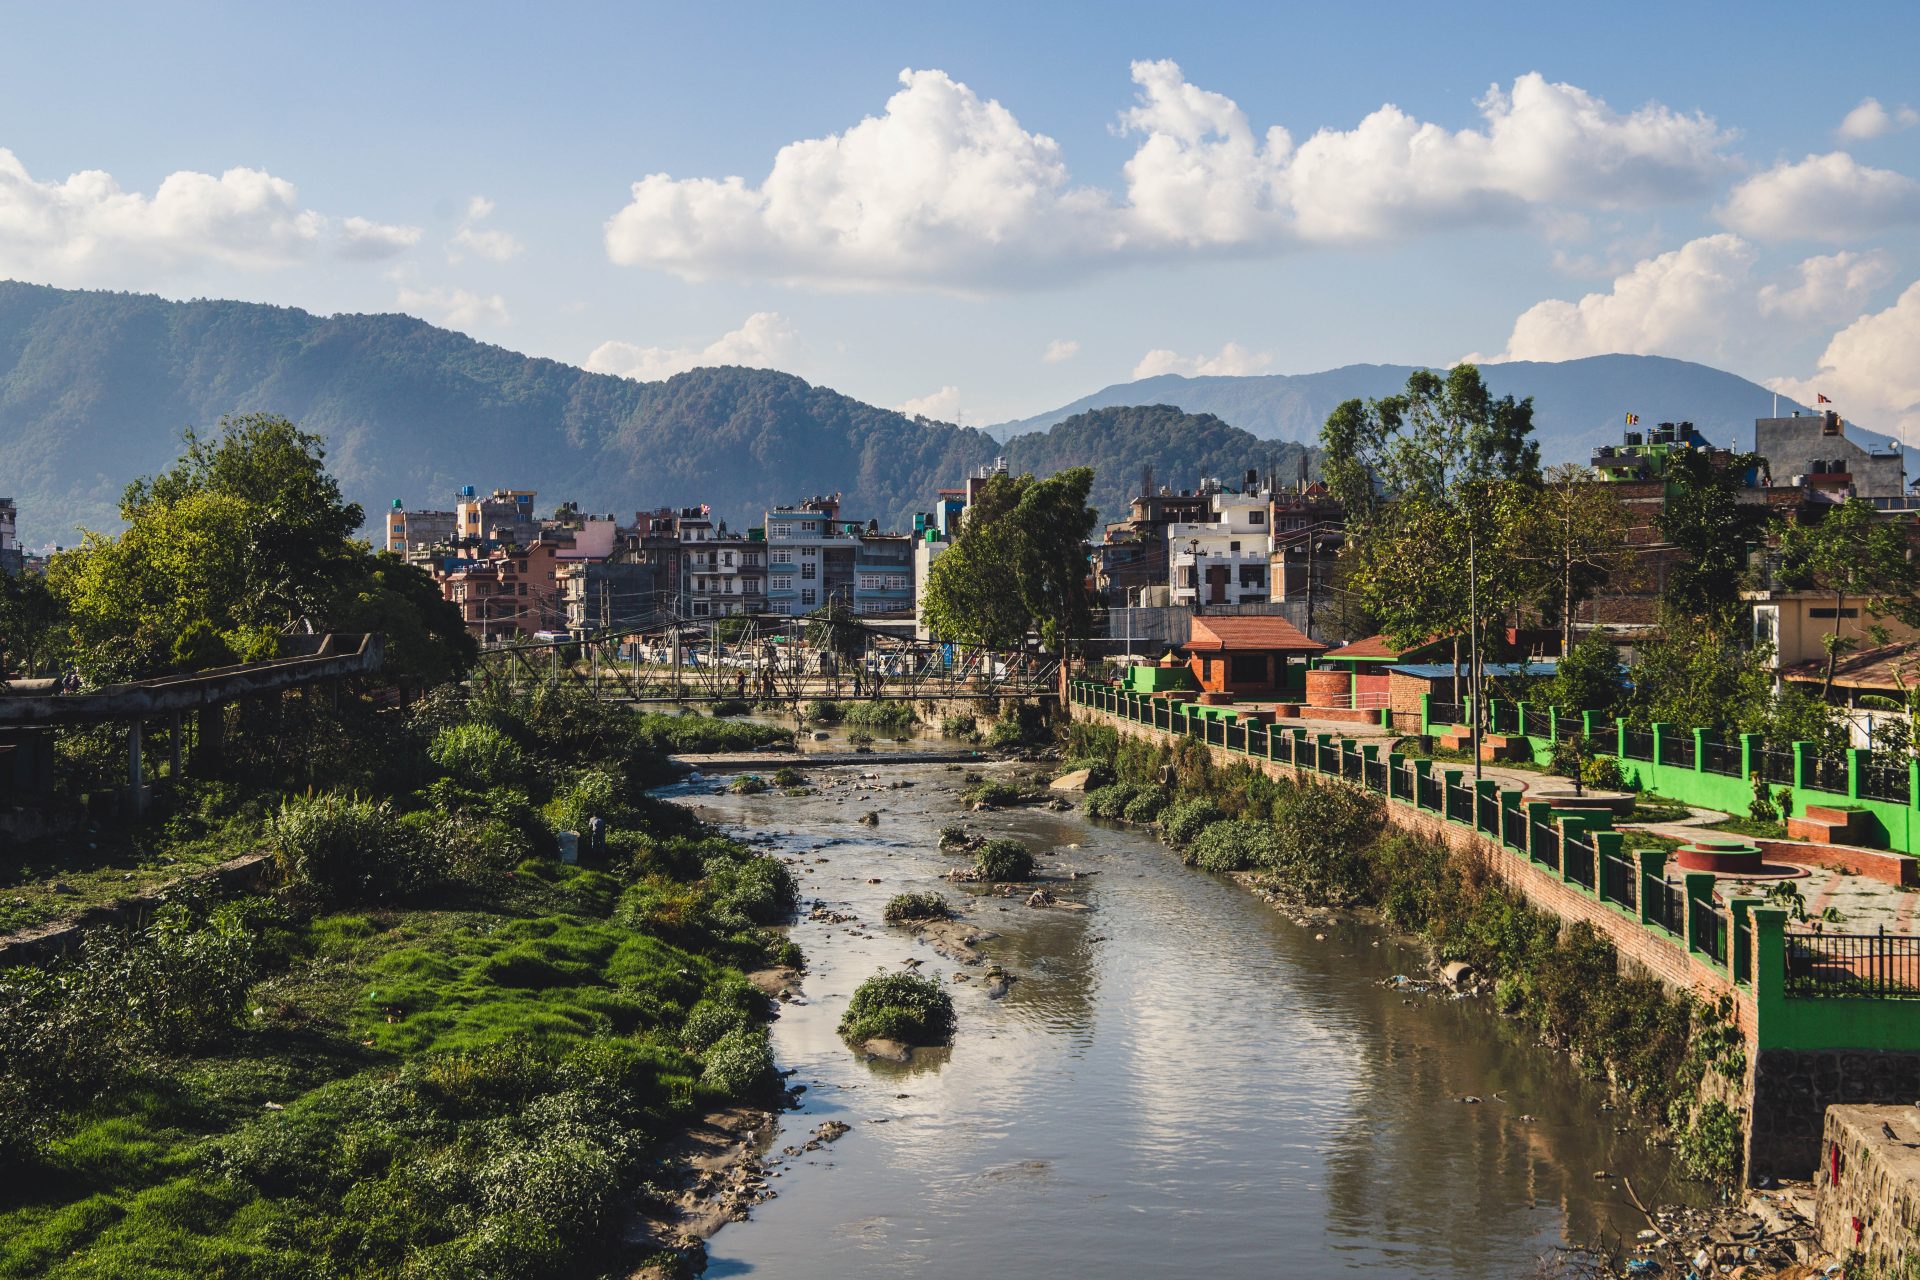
{"x": 95, "y": 389}
{"x": 1578, "y": 404}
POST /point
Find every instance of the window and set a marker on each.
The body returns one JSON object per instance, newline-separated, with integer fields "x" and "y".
{"x": 806, "y": 596}
{"x": 807, "y": 572}
{"x": 806, "y": 526}
{"x": 1256, "y": 518}
{"x": 780, "y": 582}
{"x": 1253, "y": 575}
{"x": 1233, "y": 546}
{"x": 1249, "y": 668}
{"x": 726, "y": 558}
{"x": 783, "y": 556}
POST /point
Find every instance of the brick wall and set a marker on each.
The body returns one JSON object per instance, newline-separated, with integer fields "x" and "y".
{"x": 1872, "y": 1208}
{"x": 1328, "y": 688}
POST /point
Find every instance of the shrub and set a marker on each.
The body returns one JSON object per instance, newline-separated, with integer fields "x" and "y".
{"x": 1603, "y": 774}
{"x": 899, "y": 1006}
{"x": 1323, "y": 835}
{"x": 739, "y": 1064}
{"x": 340, "y": 848}
{"x": 748, "y": 784}
{"x": 788, "y": 776}
{"x": 953, "y": 836}
{"x": 1762, "y": 808}
{"x": 1145, "y": 806}
{"x": 731, "y": 707}
{"x": 478, "y": 755}
{"x": 1111, "y": 800}
{"x": 879, "y": 714}
{"x": 962, "y": 726}
{"x": 905, "y": 907}
{"x": 997, "y": 794}
{"x": 594, "y": 793}
{"x": 1187, "y": 819}
{"x": 746, "y": 889}
{"x": 823, "y": 711}
{"x": 1003, "y": 859}
{"x": 1235, "y": 844}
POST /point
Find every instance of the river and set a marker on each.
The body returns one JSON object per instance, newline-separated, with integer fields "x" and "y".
{"x": 1181, "y": 1081}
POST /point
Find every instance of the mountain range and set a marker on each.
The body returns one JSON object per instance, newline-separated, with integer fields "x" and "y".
{"x": 96, "y": 388}
{"x": 1578, "y": 404}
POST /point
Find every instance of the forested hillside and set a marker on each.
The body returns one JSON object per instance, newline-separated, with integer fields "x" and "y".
{"x": 96, "y": 387}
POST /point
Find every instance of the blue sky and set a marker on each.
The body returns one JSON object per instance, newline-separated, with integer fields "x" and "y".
{"x": 1059, "y": 199}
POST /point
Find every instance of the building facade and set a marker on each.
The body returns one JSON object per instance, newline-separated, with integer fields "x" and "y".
{"x": 11, "y": 559}
{"x": 1225, "y": 560}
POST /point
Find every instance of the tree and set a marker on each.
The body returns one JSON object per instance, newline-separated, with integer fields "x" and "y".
{"x": 32, "y": 623}
{"x": 1705, "y": 519}
{"x": 1577, "y": 536}
{"x": 1020, "y": 563}
{"x": 1848, "y": 553}
{"x": 1587, "y": 678}
{"x": 1441, "y": 431}
{"x": 834, "y": 628}
{"x": 1695, "y": 672}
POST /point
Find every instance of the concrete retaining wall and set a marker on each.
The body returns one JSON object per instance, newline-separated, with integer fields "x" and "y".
{"x": 1867, "y": 1196}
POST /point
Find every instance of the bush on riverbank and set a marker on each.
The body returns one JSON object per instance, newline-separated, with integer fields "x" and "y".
{"x": 1234, "y": 844}
{"x": 964, "y": 727}
{"x": 906, "y": 908}
{"x": 823, "y": 711}
{"x": 899, "y": 1006}
{"x": 1186, "y": 819}
{"x": 1021, "y": 724}
{"x": 1111, "y": 801}
{"x": 897, "y": 716}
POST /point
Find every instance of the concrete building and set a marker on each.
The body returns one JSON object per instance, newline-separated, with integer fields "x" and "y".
{"x": 1812, "y": 451}
{"x": 721, "y": 573}
{"x": 504, "y": 516}
{"x": 816, "y": 554}
{"x": 10, "y": 556}
{"x": 611, "y": 595}
{"x": 1225, "y": 560}
{"x": 417, "y": 533}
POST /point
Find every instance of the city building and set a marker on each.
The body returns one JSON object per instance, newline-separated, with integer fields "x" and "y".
{"x": 816, "y": 554}
{"x": 1812, "y": 451}
{"x": 503, "y": 516}
{"x": 417, "y": 533}
{"x": 602, "y": 595}
{"x": 1224, "y": 560}
{"x": 721, "y": 574}
{"x": 1260, "y": 657}
{"x": 10, "y": 557}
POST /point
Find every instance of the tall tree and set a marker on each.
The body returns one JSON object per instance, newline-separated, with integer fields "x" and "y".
{"x": 1442, "y": 431}
{"x": 32, "y": 623}
{"x": 1705, "y": 520}
{"x": 1849, "y": 554}
{"x": 1020, "y": 563}
{"x": 1576, "y": 535}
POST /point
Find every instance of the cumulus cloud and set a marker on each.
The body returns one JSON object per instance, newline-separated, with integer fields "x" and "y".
{"x": 455, "y": 308}
{"x": 763, "y": 341}
{"x": 1233, "y": 360}
{"x": 485, "y": 242}
{"x": 942, "y": 405}
{"x": 945, "y": 189}
{"x": 1868, "y": 369}
{"x": 1871, "y": 120}
{"x": 1829, "y": 197}
{"x": 1061, "y": 350}
{"x": 1698, "y": 302}
{"x": 87, "y": 229}
{"x": 371, "y": 241}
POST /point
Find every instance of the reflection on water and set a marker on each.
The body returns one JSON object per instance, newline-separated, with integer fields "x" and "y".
{"x": 1182, "y": 1081}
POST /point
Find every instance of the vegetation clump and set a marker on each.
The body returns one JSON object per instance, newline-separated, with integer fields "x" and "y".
{"x": 905, "y": 908}
{"x": 895, "y": 715}
{"x": 902, "y": 1007}
{"x": 963, "y": 727}
{"x": 1003, "y": 860}
{"x": 1185, "y": 819}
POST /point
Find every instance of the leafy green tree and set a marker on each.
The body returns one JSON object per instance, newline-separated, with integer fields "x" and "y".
{"x": 32, "y": 623}
{"x": 1576, "y": 536}
{"x": 1697, "y": 672}
{"x": 426, "y": 641}
{"x": 1847, "y": 553}
{"x": 1704, "y": 518}
{"x": 1019, "y": 563}
{"x": 1442, "y": 431}
{"x": 835, "y": 628}
{"x": 1587, "y": 678}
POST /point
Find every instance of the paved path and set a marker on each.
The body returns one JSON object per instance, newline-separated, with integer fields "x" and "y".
{"x": 768, "y": 761}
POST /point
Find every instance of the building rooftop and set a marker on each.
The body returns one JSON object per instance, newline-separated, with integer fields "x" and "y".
{"x": 1256, "y": 631}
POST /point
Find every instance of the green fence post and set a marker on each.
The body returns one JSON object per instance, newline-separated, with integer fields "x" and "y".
{"x": 1539, "y": 814}
{"x": 1606, "y": 844}
{"x": 1426, "y": 714}
{"x": 1659, "y": 741}
{"x": 1800, "y": 750}
{"x": 1699, "y": 750}
{"x": 1422, "y": 768}
{"x": 1511, "y": 800}
{"x": 1553, "y": 723}
{"x": 1750, "y": 747}
{"x": 1769, "y": 973}
{"x": 1857, "y": 759}
{"x": 1739, "y": 944}
{"x": 1620, "y": 737}
{"x": 1520, "y": 716}
{"x": 1447, "y": 779}
{"x": 1493, "y": 715}
{"x": 1484, "y": 791}
{"x": 1653, "y": 866}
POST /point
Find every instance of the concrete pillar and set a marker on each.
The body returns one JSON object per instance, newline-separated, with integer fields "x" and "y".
{"x": 177, "y": 745}
{"x": 1653, "y": 866}
{"x": 1769, "y": 973}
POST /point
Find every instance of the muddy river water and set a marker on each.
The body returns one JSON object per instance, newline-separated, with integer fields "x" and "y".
{"x": 1181, "y": 1081}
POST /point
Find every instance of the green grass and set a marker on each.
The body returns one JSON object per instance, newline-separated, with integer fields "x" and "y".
{"x": 1742, "y": 826}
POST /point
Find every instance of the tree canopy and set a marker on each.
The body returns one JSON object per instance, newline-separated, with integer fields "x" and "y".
{"x": 1019, "y": 564}
{"x": 1706, "y": 520}
{"x": 1848, "y": 554}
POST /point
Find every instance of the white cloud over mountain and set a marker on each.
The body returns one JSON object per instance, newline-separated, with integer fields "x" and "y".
{"x": 1697, "y": 302}
{"x": 455, "y": 308}
{"x": 88, "y": 230}
{"x": 486, "y": 242}
{"x": 1831, "y": 197}
{"x": 763, "y": 341}
{"x": 1871, "y": 120}
{"x": 1233, "y": 360}
{"x": 947, "y": 190}
{"x": 942, "y": 405}
{"x": 1868, "y": 370}
{"x": 1060, "y": 350}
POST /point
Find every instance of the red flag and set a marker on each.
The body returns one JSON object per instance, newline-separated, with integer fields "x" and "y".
{"x": 1820, "y": 399}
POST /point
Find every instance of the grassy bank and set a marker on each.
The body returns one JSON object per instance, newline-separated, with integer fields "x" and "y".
{"x": 1327, "y": 844}
{"x": 435, "y": 1051}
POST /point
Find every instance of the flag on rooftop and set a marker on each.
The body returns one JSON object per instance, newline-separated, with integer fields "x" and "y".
{"x": 1633, "y": 419}
{"x": 1820, "y": 399}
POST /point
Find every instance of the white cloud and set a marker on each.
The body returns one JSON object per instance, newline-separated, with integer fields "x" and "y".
{"x": 1233, "y": 360}
{"x": 455, "y": 308}
{"x": 942, "y": 405}
{"x": 947, "y": 190}
{"x": 1868, "y": 369}
{"x": 487, "y": 242}
{"x": 1699, "y": 302}
{"x": 89, "y": 230}
{"x": 1829, "y": 288}
{"x": 1871, "y": 120}
{"x": 1061, "y": 350}
{"x": 763, "y": 341}
{"x": 371, "y": 241}
{"x": 1829, "y": 197}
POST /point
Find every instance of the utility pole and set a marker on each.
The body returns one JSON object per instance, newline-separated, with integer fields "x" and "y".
{"x": 1473, "y": 645}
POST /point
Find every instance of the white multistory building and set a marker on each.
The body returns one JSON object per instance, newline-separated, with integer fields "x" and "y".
{"x": 1225, "y": 560}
